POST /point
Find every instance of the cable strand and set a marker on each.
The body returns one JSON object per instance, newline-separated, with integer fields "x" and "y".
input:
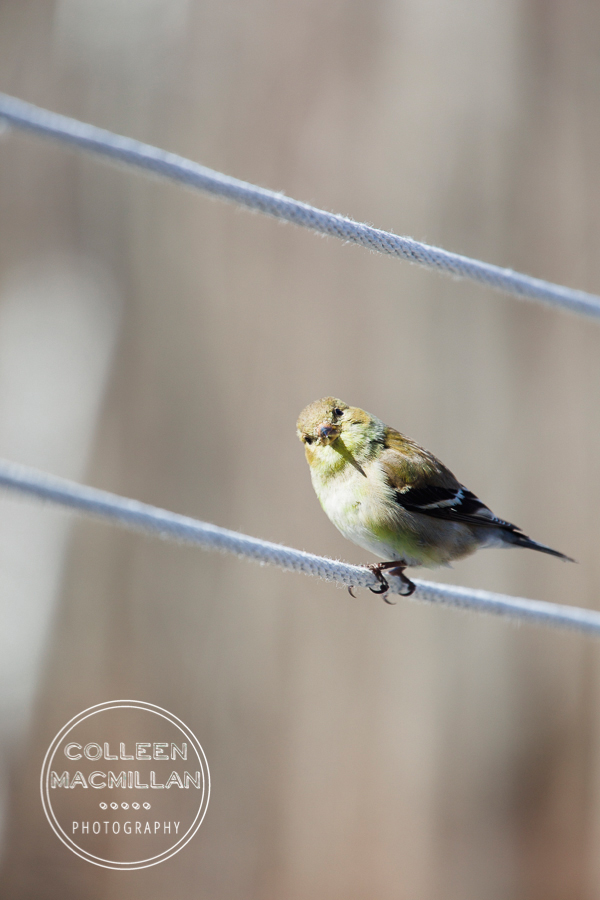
{"x": 126, "y": 150}
{"x": 171, "y": 526}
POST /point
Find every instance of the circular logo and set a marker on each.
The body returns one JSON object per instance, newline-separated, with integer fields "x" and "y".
{"x": 125, "y": 784}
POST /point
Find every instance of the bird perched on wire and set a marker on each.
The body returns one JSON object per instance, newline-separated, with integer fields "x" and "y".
{"x": 392, "y": 497}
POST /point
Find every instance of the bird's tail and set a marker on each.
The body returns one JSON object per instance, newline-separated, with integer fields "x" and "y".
{"x": 521, "y": 540}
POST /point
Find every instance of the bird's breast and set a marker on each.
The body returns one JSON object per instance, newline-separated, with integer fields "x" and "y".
{"x": 357, "y": 504}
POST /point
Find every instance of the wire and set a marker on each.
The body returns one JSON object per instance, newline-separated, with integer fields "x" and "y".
{"x": 168, "y": 165}
{"x": 173, "y": 527}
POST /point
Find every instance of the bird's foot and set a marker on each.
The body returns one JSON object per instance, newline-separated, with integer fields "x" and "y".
{"x": 396, "y": 568}
{"x": 383, "y": 582}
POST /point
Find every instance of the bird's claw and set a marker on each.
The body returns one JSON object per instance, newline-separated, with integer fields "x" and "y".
{"x": 396, "y": 569}
{"x": 383, "y": 582}
{"x": 409, "y": 587}
{"x": 383, "y": 587}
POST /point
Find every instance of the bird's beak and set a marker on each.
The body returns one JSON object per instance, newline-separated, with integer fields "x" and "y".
{"x": 327, "y": 433}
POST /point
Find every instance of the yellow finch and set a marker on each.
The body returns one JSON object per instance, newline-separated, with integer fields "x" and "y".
{"x": 392, "y": 497}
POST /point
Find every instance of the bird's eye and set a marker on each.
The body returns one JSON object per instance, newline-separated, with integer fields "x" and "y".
{"x": 308, "y": 439}
{"x": 338, "y": 412}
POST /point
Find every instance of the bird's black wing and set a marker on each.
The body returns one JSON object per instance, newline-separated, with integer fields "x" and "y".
{"x": 454, "y": 504}
{"x": 422, "y": 484}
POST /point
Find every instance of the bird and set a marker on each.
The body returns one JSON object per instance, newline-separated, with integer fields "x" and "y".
{"x": 394, "y": 498}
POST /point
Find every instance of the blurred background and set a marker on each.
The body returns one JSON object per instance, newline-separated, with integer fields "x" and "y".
{"x": 161, "y": 345}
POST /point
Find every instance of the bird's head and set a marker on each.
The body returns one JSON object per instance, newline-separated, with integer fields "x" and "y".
{"x": 329, "y": 428}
